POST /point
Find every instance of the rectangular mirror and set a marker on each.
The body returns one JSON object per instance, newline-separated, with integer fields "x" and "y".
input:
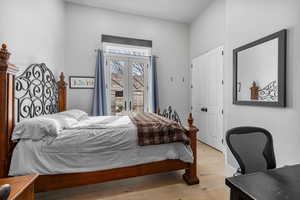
{"x": 259, "y": 72}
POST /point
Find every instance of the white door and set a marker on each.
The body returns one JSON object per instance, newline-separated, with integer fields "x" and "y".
{"x": 207, "y": 97}
{"x": 127, "y": 84}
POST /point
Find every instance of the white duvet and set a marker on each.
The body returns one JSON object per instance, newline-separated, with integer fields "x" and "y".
{"x": 97, "y": 143}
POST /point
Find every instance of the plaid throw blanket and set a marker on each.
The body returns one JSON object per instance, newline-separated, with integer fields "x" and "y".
{"x": 154, "y": 129}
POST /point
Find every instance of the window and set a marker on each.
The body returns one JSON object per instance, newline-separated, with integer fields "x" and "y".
{"x": 126, "y": 77}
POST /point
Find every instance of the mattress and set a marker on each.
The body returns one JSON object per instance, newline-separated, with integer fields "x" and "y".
{"x": 94, "y": 144}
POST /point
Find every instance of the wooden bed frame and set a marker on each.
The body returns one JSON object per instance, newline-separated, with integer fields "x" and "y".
{"x": 53, "y": 182}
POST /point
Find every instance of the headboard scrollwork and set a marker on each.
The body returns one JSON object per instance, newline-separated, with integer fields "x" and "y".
{"x": 36, "y": 92}
{"x": 170, "y": 114}
{"x": 269, "y": 92}
{"x": 33, "y": 93}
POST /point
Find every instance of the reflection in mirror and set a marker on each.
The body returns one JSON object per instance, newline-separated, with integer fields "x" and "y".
{"x": 257, "y": 73}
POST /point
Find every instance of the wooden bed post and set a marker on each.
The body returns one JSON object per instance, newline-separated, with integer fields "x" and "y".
{"x": 62, "y": 93}
{"x": 158, "y": 111}
{"x": 190, "y": 176}
{"x": 7, "y": 76}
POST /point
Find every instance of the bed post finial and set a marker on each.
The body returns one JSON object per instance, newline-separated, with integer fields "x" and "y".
{"x": 62, "y": 93}
{"x": 4, "y": 54}
{"x": 190, "y": 120}
{"x": 158, "y": 111}
{"x": 7, "y": 76}
{"x": 62, "y": 77}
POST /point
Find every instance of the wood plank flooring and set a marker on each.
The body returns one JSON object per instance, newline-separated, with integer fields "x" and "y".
{"x": 211, "y": 173}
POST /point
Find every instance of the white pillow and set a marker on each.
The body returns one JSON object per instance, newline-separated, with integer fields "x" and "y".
{"x": 36, "y": 128}
{"x": 74, "y": 113}
{"x": 47, "y": 125}
{"x": 65, "y": 122}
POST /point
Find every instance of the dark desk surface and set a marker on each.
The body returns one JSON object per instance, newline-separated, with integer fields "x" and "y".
{"x": 278, "y": 184}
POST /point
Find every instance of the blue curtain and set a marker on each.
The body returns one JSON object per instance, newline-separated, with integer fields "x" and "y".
{"x": 153, "y": 85}
{"x": 99, "y": 101}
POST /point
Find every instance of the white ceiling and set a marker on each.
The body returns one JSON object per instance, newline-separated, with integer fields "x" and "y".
{"x": 176, "y": 10}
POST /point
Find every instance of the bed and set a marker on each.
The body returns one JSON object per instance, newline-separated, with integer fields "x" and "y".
{"x": 79, "y": 155}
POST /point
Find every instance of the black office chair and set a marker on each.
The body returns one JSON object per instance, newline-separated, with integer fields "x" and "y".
{"x": 252, "y": 147}
{"x": 4, "y": 191}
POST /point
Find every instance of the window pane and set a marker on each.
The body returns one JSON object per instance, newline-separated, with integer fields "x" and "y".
{"x": 117, "y": 68}
{"x": 138, "y": 89}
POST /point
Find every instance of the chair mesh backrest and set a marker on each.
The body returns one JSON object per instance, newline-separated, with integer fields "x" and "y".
{"x": 252, "y": 147}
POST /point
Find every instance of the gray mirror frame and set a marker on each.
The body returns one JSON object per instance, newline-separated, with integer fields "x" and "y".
{"x": 282, "y": 45}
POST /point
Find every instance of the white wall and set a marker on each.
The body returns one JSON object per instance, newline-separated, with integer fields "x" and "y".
{"x": 208, "y": 30}
{"x": 247, "y": 21}
{"x": 84, "y": 26}
{"x": 33, "y": 31}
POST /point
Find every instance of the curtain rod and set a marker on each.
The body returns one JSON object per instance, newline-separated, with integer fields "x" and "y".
{"x": 125, "y": 54}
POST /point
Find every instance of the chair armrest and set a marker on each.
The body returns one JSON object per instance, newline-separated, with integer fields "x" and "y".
{"x": 238, "y": 172}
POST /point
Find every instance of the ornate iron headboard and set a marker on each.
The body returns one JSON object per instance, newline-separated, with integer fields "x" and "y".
{"x": 269, "y": 92}
{"x": 36, "y": 92}
{"x": 170, "y": 114}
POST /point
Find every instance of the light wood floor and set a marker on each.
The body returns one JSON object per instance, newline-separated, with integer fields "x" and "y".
{"x": 159, "y": 187}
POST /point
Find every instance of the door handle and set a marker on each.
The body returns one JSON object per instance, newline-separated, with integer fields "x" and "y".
{"x": 204, "y": 109}
{"x": 125, "y": 105}
{"x": 129, "y": 105}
